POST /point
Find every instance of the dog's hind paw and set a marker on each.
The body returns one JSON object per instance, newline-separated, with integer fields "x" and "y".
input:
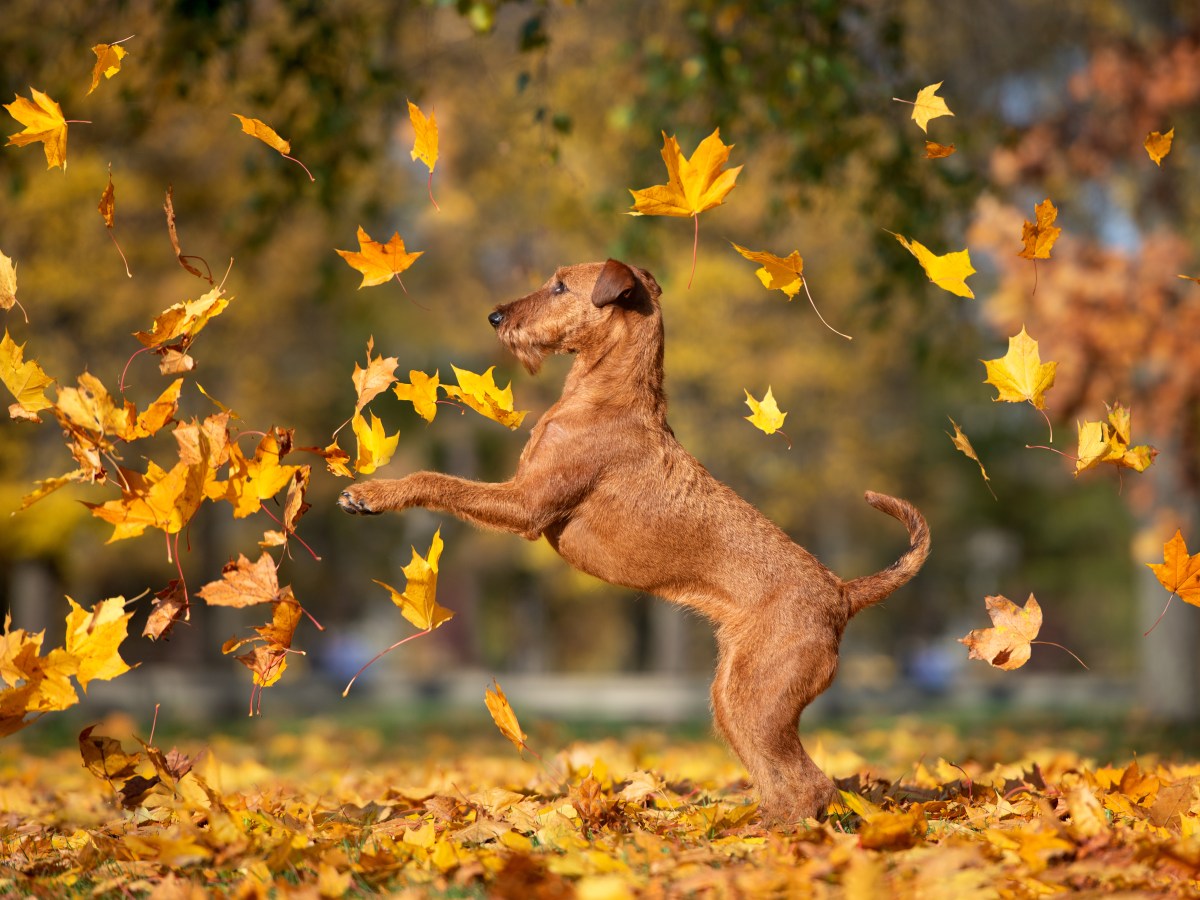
{"x": 355, "y": 505}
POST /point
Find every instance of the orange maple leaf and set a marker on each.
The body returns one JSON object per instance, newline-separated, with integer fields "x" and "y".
{"x": 244, "y": 583}
{"x": 693, "y": 185}
{"x": 1158, "y": 145}
{"x": 44, "y": 121}
{"x": 108, "y": 62}
{"x": 379, "y": 262}
{"x": 1006, "y": 645}
{"x": 503, "y": 715}
{"x": 1179, "y": 573}
{"x": 265, "y": 133}
{"x": 1039, "y": 236}
{"x": 934, "y": 150}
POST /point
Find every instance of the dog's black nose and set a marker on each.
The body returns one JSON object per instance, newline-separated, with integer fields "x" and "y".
{"x": 496, "y": 318}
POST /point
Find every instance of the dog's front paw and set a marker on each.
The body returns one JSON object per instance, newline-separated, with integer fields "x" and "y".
{"x": 354, "y": 501}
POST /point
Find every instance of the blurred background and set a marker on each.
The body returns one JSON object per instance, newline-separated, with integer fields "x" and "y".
{"x": 548, "y": 113}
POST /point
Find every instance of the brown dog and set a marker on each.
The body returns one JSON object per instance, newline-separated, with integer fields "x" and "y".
{"x": 605, "y": 481}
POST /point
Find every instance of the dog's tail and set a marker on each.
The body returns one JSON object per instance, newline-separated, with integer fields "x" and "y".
{"x": 862, "y": 592}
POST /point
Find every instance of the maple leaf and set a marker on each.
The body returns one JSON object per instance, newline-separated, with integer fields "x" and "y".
{"x": 963, "y": 443}
{"x": 107, "y": 207}
{"x": 1179, "y": 573}
{"x": 108, "y": 62}
{"x": 935, "y": 150}
{"x": 170, "y": 606}
{"x": 25, "y": 380}
{"x": 693, "y": 185}
{"x": 244, "y": 583}
{"x": 1108, "y": 442}
{"x": 44, "y": 121}
{"x": 1020, "y": 375}
{"x": 1006, "y": 645}
{"x": 765, "y": 414}
{"x": 425, "y": 145}
{"x": 777, "y": 273}
{"x": 418, "y": 602}
{"x": 375, "y": 446}
{"x": 336, "y": 459}
{"x": 8, "y": 286}
{"x": 378, "y": 262}
{"x": 268, "y": 660}
{"x": 160, "y": 499}
{"x": 183, "y": 321}
{"x": 503, "y": 715}
{"x": 1039, "y": 236}
{"x": 422, "y": 391}
{"x": 376, "y": 378}
{"x": 928, "y": 105}
{"x": 481, "y": 394}
{"x": 253, "y": 480}
{"x": 265, "y": 133}
{"x": 1158, "y": 145}
{"x": 94, "y": 638}
{"x": 105, "y": 758}
{"x": 949, "y": 271}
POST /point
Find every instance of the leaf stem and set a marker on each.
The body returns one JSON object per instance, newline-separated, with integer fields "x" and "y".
{"x": 695, "y": 248}
{"x": 431, "y": 200}
{"x": 1161, "y": 614}
{"x": 310, "y": 175}
{"x": 411, "y": 637}
{"x": 1061, "y": 647}
{"x": 812, "y": 303}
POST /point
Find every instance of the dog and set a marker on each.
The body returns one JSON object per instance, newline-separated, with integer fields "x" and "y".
{"x": 605, "y": 481}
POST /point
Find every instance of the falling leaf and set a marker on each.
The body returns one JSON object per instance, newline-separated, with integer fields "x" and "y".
{"x": 777, "y": 273}
{"x": 693, "y": 184}
{"x": 107, "y": 207}
{"x": 949, "y": 271}
{"x": 265, "y": 133}
{"x": 1020, "y": 375}
{"x": 24, "y": 379}
{"x": 183, "y": 321}
{"x": 1158, "y": 145}
{"x": 170, "y": 606}
{"x": 1179, "y": 573}
{"x": 8, "y": 284}
{"x": 765, "y": 414}
{"x": 268, "y": 660}
{"x": 1108, "y": 442}
{"x": 422, "y": 391}
{"x": 1039, "y": 236}
{"x": 481, "y": 394}
{"x": 378, "y": 262}
{"x": 935, "y": 150}
{"x": 928, "y": 105}
{"x": 503, "y": 715}
{"x": 376, "y": 378}
{"x": 963, "y": 443}
{"x": 425, "y": 145}
{"x": 1006, "y": 644}
{"x": 44, "y": 121}
{"x": 418, "y": 602}
{"x": 375, "y": 446}
{"x": 108, "y": 62}
{"x": 94, "y": 638}
{"x": 244, "y": 583}
{"x": 160, "y": 499}
{"x": 253, "y": 480}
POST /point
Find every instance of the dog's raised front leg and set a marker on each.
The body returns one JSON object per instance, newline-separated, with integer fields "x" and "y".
{"x": 504, "y": 506}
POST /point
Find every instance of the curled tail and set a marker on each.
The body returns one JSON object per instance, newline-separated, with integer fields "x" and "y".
{"x": 862, "y": 592}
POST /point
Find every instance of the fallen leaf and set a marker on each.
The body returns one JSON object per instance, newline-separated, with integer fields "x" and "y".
{"x": 378, "y": 262}
{"x": 1006, "y": 644}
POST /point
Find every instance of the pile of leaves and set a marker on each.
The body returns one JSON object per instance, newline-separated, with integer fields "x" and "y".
{"x": 339, "y": 812}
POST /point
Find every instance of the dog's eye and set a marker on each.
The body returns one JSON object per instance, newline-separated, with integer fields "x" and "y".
{"x": 559, "y": 288}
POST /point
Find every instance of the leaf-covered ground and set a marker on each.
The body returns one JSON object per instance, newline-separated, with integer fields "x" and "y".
{"x": 329, "y": 810}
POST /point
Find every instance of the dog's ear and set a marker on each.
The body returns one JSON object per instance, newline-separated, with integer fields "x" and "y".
{"x": 617, "y": 283}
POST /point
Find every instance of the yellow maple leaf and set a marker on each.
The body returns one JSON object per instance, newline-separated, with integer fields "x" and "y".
{"x": 94, "y": 638}
{"x": 376, "y": 378}
{"x": 1179, "y": 573}
{"x": 481, "y": 394}
{"x": 949, "y": 271}
{"x": 422, "y": 391}
{"x": 375, "y": 446}
{"x": 44, "y": 121}
{"x": 1108, "y": 442}
{"x": 963, "y": 443}
{"x": 1158, "y": 145}
{"x": 1006, "y": 645}
{"x": 425, "y": 143}
{"x": 8, "y": 285}
{"x": 160, "y": 499}
{"x": 1039, "y": 236}
{"x": 928, "y": 105}
{"x": 378, "y": 262}
{"x": 264, "y": 132}
{"x": 25, "y": 380}
{"x": 765, "y": 414}
{"x": 418, "y": 601}
{"x": 183, "y": 321}
{"x": 503, "y": 715}
{"x": 253, "y": 480}
{"x": 1020, "y": 375}
{"x": 108, "y": 62}
{"x": 693, "y": 185}
{"x": 777, "y": 273}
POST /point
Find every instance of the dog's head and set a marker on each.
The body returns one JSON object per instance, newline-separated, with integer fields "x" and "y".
{"x": 575, "y": 310}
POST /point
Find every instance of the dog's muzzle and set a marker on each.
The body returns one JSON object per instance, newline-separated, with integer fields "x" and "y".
{"x": 496, "y": 318}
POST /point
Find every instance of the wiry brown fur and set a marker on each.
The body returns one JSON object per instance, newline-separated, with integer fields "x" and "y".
{"x": 605, "y": 481}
